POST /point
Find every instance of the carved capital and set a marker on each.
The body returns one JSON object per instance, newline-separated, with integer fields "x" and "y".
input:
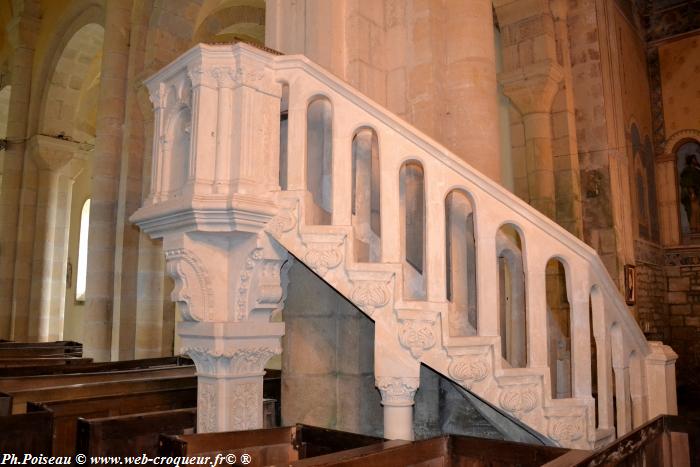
{"x": 397, "y": 391}
{"x": 532, "y": 88}
{"x": 240, "y": 362}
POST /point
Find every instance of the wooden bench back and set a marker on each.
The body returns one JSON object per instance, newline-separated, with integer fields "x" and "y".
{"x": 76, "y": 366}
{"x": 29, "y": 433}
{"x": 66, "y": 412}
{"x": 126, "y": 435}
{"x": 86, "y": 390}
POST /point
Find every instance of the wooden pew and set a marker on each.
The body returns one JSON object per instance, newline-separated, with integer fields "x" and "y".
{"x": 266, "y": 447}
{"x": 22, "y": 397}
{"x": 29, "y": 433}
{"x": 9, "y": 384}
{"x": 15, "y": 362}
{"x": 65, "y": 413}
{"x": 125, "y": 435}
{"x": 74, "y": 366}
{"x": 40, "y": 349}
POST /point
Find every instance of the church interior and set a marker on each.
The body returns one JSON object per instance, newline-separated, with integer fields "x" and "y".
{"x": 416, "y": 218}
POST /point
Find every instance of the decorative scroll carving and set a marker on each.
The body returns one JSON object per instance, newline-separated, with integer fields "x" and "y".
{"x": 323, "y": 256}
{"x": 283, "y": 222}
{"x": 245, "y": 399}
{"x": 519, "y": 400}
{"x": 251, "y": 360}
{"x": 397, "y": 391}
{"x": 254, "y": 257}
{"x": 370, "y": 295}
{"x": 565, "y": 430}
{"x": 206, "y": 406}
{"x": 192, "y": 285}
{"x": 417, "y": 336}
{"x": 468, "y": 369}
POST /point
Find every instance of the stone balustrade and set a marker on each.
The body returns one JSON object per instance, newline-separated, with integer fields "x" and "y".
{"x": 360, "y": 196}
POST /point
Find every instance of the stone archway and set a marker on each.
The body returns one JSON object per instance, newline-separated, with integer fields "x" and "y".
{"x": 668, "y": 193}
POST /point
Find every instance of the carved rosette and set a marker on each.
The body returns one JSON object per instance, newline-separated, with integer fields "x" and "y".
{"x": 566, "y": 430}
{"x": 370, "y": 295}
{"x": 206, "y": 404}
{"x": 192, "y": 285}
{"x": 323, "y": 256}
{"x": 397, "y": 391}
{"x": 417, "y": 336}
{"x": 468, "y": 369}
{"x": 519, "y": 400}
{"x": 248, "y": 411}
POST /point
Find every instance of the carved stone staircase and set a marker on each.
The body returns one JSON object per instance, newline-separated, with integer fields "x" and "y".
{"x": 230, "y": 202}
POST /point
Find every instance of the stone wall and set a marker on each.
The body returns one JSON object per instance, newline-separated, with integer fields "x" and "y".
{"x": 327, "y": 359}
{"x": 683, "y": 298}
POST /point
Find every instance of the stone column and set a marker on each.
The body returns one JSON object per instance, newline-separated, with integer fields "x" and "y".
{"x": 531, "y": 75}
{"x": 21, "y": 34}
{"x": 55, "y": 159}
{"x": 105, "y": 182}
{"x": 397, "y": 398}
{"x": 470, "y": 125}
{"x": 532, "y": 89}
{"x": 230, "y": 360}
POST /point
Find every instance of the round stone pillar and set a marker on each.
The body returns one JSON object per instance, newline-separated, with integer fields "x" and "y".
{"x": 397, "y": 399}
{"x": 105, "y": 182}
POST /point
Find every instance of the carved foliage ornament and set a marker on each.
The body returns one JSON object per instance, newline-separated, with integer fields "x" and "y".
{"x": 417, "y": 336}
{"x": 519, "y": 400}
{"x": 397, "y": 391}
{"x": 370, "y": 295}
{"x": 469, "y": 369}
{"x": 245, "y": 400}
{"x": 566, "y": 429}
{"x": 192, "y": 285}
{"x": 283, "y": 222}
{"x": 323, "y": 256}
{"x": 206, "y": 407}
{"x": 240, "y": 362}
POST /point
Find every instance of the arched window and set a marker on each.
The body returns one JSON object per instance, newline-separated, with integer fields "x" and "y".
{"x": 81, "y": 278}
{"x": 688, "y": 165}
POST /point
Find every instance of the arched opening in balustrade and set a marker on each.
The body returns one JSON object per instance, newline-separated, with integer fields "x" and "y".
{"x": 460, "y": 245}
{"x": 637, "y": 399}
{"x": 365, "y": 195}
{"x": 319, "y": 160}
{"x": 511, "y": 284}
{"x": 595, "y": 318}
{"x": 559, "y": 329}
{"x": 284, "y": 131}
{"x": 412, "y": 218}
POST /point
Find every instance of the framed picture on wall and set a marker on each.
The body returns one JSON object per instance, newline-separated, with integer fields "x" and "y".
{"x": 630, "y": 285}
